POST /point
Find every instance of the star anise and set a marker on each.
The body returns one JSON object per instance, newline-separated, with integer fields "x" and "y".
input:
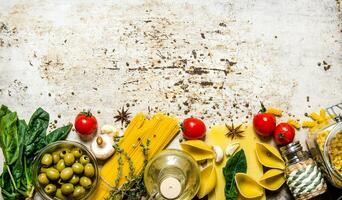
{"x": 122, "y": 116}
{"x": 234, "y": 131}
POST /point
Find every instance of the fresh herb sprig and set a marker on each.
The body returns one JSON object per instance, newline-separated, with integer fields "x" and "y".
{"x": 134, "y": 188}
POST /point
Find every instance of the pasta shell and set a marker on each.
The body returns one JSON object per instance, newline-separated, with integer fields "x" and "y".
{"x": 273, "y": 179}
{"x": 247, "y": 186}
{"x": 198, "y": 149}
{"x": 208, "y": 181}
{"x": 269, "y": 156}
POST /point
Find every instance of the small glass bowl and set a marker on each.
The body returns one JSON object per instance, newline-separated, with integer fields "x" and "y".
{"x": 176, "y": 164}
{"x": 49, "y": 149}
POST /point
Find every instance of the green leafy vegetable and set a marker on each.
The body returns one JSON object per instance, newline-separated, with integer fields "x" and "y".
{"x": 4, "y": 111}
{"x": 20, "y": 143}
{"x": 17, "y": 168}
{"x": 36, "y": 132}
{"x": 59, "y": 134}
{"x": 236, "y": 164}
{"x": 9, "y": 137}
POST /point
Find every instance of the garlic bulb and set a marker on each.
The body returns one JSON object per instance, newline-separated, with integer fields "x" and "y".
{"x": 102, "y": 146}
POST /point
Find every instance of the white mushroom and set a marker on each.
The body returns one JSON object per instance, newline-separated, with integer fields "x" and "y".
{"x": 102, "y": 146}
{"x": 109, "y": 129}
{"x": 230, "y": 150}
{"x": 218, "y": 153}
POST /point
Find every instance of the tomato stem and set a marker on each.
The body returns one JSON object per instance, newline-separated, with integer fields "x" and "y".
{"x": 282, "y": 136}
{"x": 87, "y": 113}
{"x": 263, "y": 109}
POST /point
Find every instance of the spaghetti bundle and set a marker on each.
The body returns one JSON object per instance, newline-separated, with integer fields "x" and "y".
{"x": 159, "y": 131}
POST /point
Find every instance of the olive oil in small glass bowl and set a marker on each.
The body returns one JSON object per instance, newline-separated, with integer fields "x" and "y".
{"x": 50, "y": 149}
{"x": 172, "y": 174}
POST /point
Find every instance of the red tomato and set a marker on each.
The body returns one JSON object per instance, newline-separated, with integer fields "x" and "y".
{"x": 85, "y": 124}
{"x": 284, "y": 134}
{"x": 193, "y": 128}
{"x": 264, "y": 124}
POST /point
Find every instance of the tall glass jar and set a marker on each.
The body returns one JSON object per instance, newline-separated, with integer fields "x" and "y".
{"x": 325, "y": 146}
{"x": 303, "y": 176}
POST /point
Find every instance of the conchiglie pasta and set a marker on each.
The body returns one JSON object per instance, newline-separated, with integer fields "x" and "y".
{"x": 198, "y": 149}
{"x": 269, "y": 156}
{"x": 208, "y": 181}
{"x": 247, "y": 186}
{"x": 273, "y": 179}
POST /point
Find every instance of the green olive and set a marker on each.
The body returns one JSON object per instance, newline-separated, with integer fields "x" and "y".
{"x": 43, "y": 169}
{"x": 50, "y": 189}
{"x": 78, "y": 168}
{"x": 55, "y": 157}
{"x": 43, "y": 179}
{"x": 77, "y": 152}
{"x": 74, "y": 180}
{"x": 67, "y": 188}
{"x": 46, "y": 160}
{"x": 85, "y": 182}
{"x": 89, "y": 170}
{"x": 66, "y": 173}
{"x": 60, "y": 165}
{"x": 63, "y": 152}
{"x": 84, "y": 159}
{"x": 52, "y": 174}
{"x": 78, "y": 192}
{"x": 60, "y": 195}
{"x": 69, "y": 159}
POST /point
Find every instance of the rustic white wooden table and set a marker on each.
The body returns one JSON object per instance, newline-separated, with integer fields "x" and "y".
{"x": 213, "y": 59}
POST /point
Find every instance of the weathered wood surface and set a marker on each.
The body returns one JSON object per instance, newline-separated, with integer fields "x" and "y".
{"x": 214, "y": 59}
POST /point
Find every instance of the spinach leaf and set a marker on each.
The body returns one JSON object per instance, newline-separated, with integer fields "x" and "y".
{"x": 56, "y": 135}
{"x": 17, "y": 170}
{"x": 8, "y": 190}
{"x": 36, "y": 132}
{"x": 4, "y": 111}
{"x": 59, "y": 134}
{"x": 234, "y": 165}
{"x": 9, "y": 137}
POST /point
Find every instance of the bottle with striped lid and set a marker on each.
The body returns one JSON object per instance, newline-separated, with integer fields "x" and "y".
{"x": 303, "y": 176}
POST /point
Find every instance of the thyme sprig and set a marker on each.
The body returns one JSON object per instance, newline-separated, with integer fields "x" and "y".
{"x": 134, "y": 188}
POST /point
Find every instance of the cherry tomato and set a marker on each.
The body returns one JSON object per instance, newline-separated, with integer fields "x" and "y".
{"x": 284, "y": 134}
{"x": 264, "y": 124}
{"x": 193, "y": 128}
{"x": 85, "y": 124}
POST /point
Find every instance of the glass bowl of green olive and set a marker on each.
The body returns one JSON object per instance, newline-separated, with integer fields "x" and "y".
{"x": 65, "y": 170}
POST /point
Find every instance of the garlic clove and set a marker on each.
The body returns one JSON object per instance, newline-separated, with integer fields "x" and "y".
{"x": 231, "y": 148}
{"x": 109, "y": 129}
{"x": 218, "y": 153}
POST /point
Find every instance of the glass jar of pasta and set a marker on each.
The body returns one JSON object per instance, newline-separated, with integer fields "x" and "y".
{"x": 325, "y": 146}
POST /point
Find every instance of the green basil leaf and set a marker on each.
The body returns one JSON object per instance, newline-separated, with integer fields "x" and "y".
{"x": 9, "y": 137}
{"x": 236, "y": 164}
{"x": 59, "y": 134}
{"x": 36, "y": 131}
